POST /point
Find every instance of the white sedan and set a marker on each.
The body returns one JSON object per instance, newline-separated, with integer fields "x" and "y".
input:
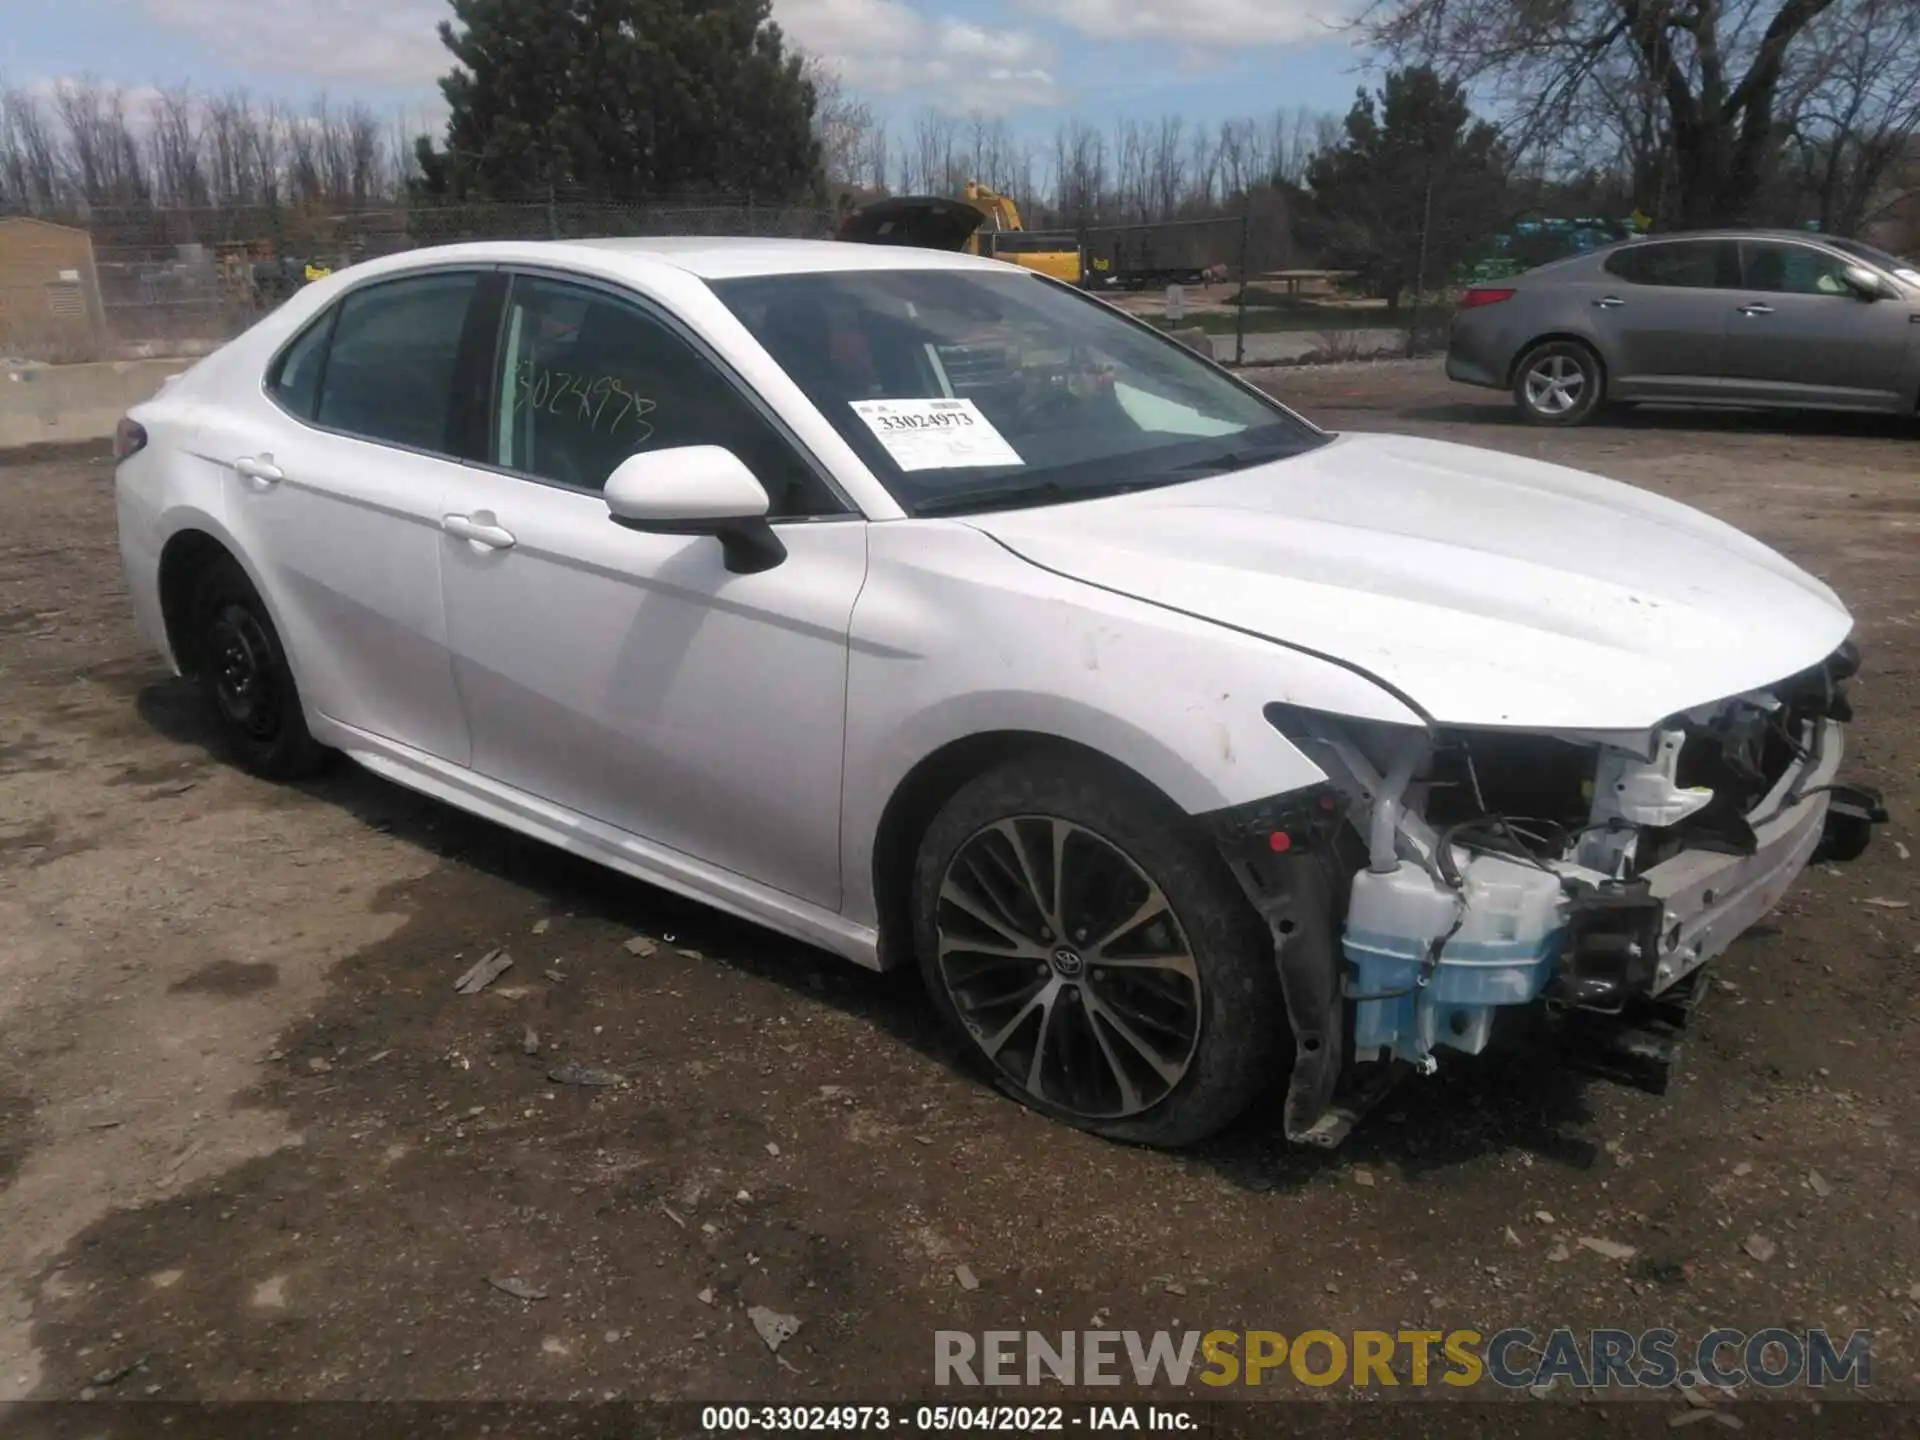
{"x": 929, "y": 611}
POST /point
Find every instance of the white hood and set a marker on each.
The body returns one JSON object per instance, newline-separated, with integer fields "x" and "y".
{"x": 1491, "y": 590}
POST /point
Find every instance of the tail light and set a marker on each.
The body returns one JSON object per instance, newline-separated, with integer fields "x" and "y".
{"x": 1482, "y": 295}
{"x": 129, "y": 438}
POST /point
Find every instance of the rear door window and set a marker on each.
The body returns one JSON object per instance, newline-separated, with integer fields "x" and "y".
{"x": 391, "y": 367}
{"x": 1678, "y": 264}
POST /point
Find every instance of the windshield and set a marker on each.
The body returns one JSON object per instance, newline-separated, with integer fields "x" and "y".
{"x": 971, "y": 389}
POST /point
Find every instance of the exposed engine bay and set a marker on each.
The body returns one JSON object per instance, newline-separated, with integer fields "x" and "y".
{"x": 1467, "y": 871}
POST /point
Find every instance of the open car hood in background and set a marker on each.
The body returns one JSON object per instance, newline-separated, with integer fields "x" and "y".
{"x": 929, "y": 222}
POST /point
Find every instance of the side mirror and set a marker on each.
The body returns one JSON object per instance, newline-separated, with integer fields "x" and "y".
{"x": 1864, "y": 283}
{"x": 697, "y": 490}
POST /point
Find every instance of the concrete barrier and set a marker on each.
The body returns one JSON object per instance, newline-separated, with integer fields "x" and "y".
{"x": 61, "y": 404}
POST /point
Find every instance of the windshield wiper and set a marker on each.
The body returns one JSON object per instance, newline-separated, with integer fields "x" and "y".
{"x": 1238, "y": 459}
{"x": 1009, "y": 497}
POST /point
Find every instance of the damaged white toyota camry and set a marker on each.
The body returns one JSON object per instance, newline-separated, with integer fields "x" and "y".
{"x": 926, "y": 610}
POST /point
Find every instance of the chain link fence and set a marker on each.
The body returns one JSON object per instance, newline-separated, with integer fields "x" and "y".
{"x": 183, "y": 281}
{"x": 1241, "y": 281}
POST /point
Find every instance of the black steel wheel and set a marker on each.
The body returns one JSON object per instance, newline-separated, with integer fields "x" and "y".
{"x": 242, "y": 671}
{"x": 1094, "y": 953}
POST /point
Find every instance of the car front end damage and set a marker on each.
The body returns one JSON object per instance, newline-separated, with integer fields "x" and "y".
{"x": 1439, "y": 876}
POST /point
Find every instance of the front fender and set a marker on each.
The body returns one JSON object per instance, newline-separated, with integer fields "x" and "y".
{"x": 955, "y": 637}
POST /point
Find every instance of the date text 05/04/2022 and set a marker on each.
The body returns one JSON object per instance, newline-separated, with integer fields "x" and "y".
{"x": 945, "y": 1419}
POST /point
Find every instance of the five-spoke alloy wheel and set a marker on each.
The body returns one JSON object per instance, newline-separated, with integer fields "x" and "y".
{"x": 1094, "y": 952}
{"x": 1558, "y": 383}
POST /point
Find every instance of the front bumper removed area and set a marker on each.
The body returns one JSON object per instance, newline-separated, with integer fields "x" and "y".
{"x": 1688, "y": 909}
{"x": 1441, "y": 930}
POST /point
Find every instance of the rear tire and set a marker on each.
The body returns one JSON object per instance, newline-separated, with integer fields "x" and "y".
{"x": 241, "y": 668}
{"x": 1140, "y": 1001}
{"x": 1560, "y": 382}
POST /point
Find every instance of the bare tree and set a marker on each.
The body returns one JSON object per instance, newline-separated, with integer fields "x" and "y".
{"x": 229, "y": 138}
{"x": 1236, "y": 156}
{"x": 1131, "y": 164}
{"x": 101, "y": 158}
{"x": 306, "y": 164}
{"x": 930, "y": 165}
{"x": 841, "y": 122}
{"x": 174, "y": 141}
{"x": 1294, "y": 137}
{"x": 1079, "y": 172}
{"x": 876, "y": 170}
{"x": 1858, "y": 110}
{"x": 272, "y": 155}
{"x": 1721, "y": 76}
{"x": 1166, "y": 163}
{"x": 399, "y": 167}
{"x": 29, "y": 160}
{"x": 1201, "y": 167}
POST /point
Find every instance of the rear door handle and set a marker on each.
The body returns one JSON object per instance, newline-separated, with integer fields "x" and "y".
{"x": 483, "y": 533}
{"x": 260, "y": 469}
{"x": 1756, "y": 309}
{"x": 1608, "y": 302}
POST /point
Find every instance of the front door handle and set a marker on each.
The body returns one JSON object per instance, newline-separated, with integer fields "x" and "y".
{"x": 483, "y": 533}
{"x": 1608, "y": 302}
{"x": 1756, "y": 309}
{"x": 260, "y": 469}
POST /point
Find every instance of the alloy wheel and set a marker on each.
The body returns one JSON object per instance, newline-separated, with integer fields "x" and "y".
{"x": 1068, "y": 967}
{"x": 1555, "y": 384}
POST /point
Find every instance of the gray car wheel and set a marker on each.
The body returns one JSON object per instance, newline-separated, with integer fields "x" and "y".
{"x": 1559, "y": 383}
{"x": 1093, "y": 954}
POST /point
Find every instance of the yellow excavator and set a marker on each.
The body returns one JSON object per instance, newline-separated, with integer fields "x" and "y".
{"x": 981, "y": 222}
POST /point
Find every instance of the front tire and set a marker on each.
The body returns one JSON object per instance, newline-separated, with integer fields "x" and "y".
{"x": 1559, "y": 383}
{"x": 242, "y": 671}
{"x": 1094, "y": 954}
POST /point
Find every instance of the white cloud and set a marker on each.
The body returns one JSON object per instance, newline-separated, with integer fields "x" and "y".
{"x": 880, "y": 47}
{"x": 1203, "y": 25}
{"x": 885, "y": 47}
{"x": 375, "y": 42}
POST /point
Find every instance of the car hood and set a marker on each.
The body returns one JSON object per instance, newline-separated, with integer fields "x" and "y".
{"x": 1489, "y": 589}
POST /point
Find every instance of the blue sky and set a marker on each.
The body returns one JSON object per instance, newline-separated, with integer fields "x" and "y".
{"x": 1033, "y": 61}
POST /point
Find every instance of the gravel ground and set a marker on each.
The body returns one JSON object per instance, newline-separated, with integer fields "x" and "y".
{"x": 252, "y": 1140}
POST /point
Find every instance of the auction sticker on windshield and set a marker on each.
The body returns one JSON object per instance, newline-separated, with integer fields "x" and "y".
{"x": 936, "y": 434}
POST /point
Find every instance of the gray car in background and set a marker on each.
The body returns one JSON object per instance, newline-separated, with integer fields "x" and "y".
{"x": 1753, "y": 318}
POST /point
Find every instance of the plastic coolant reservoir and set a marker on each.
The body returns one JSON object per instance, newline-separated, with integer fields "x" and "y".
{"x": 1503, "y": 953}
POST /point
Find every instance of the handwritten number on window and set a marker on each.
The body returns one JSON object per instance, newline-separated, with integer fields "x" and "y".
{"x": 599, "y": 402}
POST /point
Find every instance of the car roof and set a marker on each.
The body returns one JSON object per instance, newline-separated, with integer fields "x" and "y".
{"x": 721, "y": 257}
{"x": 1808, "y": 237}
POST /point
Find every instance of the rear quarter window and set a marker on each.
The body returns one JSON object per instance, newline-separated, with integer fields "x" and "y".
{"x": 295, "y": 380}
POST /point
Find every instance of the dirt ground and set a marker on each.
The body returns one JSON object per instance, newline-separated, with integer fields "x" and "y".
{"x": 253, "y": 1145}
